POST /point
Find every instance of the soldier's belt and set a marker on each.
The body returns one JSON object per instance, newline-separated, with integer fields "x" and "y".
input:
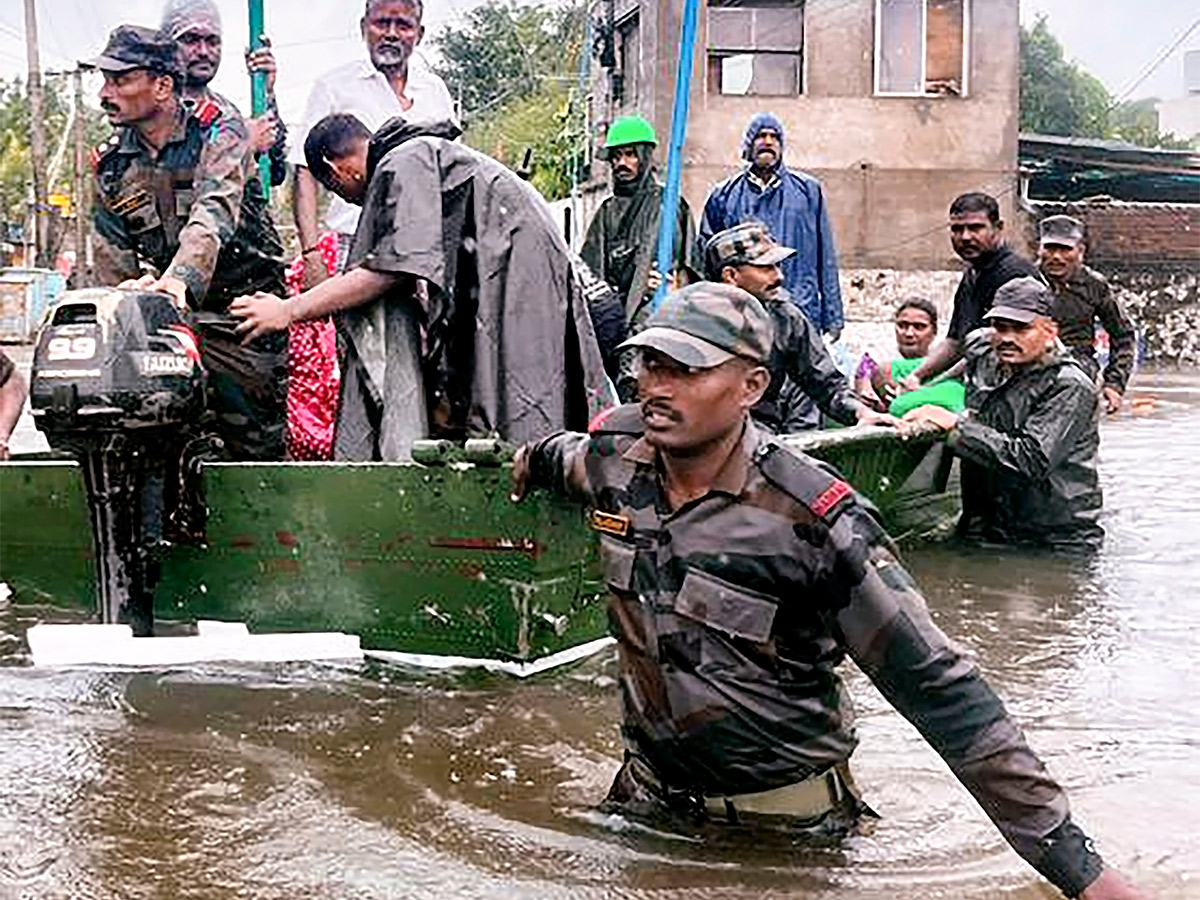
{"x": 808, "y": 799}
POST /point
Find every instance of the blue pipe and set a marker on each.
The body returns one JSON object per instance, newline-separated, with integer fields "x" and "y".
{"x": 669, "y": 215}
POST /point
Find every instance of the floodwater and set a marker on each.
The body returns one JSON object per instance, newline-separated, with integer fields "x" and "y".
{"x": 296, "y": 782}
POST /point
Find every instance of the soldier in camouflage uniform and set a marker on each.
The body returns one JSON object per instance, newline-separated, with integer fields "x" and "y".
{"x": 802, "y": 371}
{"x": 741, "y": 574}
{"x": 176, "y": 191}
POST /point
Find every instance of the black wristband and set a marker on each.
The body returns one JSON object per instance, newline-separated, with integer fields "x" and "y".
{"x": 308, "y": 250}
{"x": 1069, "y": 860}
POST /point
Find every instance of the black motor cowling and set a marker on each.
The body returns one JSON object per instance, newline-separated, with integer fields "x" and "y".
{"x": 116, "y": 379}
{"x": 114, "y": 362}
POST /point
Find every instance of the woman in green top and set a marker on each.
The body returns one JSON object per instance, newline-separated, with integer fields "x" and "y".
{"x": 916, "y": 327}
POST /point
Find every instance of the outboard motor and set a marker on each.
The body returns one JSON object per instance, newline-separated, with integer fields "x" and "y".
{"x": 116, "y": 377}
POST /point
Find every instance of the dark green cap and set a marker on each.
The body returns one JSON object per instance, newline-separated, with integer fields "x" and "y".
{"x": 1066, "y": 231}
{"x": 708, "y": 324}
{"x": 134, "y": 47}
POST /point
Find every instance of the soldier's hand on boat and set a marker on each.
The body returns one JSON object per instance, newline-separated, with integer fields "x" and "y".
{"x": 263, "y": 314}
{"x": 165, "y": 285}
{"x": 520, "y": 474}
{"x": 868, "y": 416}
{"x": 1113, "y": 399}
{"x": 922, "y": 417}
{"x": 263, "y": 60}
{"x": 1111, "y": 886}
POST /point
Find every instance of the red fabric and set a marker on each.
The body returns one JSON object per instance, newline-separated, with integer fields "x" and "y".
{"x": 313, "y": 376}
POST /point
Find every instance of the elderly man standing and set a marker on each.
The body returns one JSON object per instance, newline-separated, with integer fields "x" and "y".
{"x": 195, "y": 26}
{"x": 791, "y": 205}
{"x": 1081, "y": 296}
{"x": 1029, "y": 438}
{"x": 740, "y": 575}
{"x": 621, "y": 241}
{"x": 392, "y": 83}
{"x": 177, "y": 190}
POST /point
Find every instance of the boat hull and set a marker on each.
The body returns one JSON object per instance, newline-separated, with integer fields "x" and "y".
{"x": 414, "y": 559}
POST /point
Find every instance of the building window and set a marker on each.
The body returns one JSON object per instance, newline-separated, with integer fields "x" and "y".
{"x": 921, "y": 47}
{"x": 629, "y": 61}
{"x": 755, "y": 47}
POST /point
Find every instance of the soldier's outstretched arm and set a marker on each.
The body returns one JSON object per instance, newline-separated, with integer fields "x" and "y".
{"x": 889, "y": 633}
{"x": 220, "y": 179}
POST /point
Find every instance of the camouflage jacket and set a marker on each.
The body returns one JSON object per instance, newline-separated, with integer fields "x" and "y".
{"x": 194, "y": 211}
{"x": 1084, "y": 298}
{"x": 733, "y": 612}
{"x": 799, "y": 356}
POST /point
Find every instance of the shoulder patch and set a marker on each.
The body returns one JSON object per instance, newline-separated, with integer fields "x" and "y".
{"x": 810, "y": 482}
{"x": 207, "y": 112}
{"x": 625, "y": 419}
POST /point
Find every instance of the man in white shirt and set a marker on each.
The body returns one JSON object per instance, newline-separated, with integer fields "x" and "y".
{"x": 393, "y": 83}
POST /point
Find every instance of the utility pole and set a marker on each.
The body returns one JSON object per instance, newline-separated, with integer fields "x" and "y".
{"x": 83, "y": 275}
{"x": 37, "y": 143}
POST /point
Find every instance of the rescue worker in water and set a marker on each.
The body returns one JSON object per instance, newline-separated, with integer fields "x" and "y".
{"x": 741, "y": 574}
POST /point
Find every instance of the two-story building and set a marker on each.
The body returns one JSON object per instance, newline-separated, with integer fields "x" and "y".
{"x": 896, "y": 105}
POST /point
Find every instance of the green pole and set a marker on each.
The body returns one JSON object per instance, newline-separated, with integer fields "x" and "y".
{"x": 258, "y": 88}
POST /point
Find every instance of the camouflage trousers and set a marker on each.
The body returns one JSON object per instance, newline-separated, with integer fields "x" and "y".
{"x": 826, "y": 807}
{"x": 247, "y": 389}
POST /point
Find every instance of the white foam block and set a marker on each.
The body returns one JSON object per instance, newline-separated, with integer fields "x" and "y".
{"x": 115, "y": 645}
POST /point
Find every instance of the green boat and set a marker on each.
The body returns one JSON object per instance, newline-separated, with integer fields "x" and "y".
{"x": 427, "y": 563}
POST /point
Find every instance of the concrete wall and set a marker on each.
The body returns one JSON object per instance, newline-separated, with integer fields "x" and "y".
{"x": 890, "y": 165}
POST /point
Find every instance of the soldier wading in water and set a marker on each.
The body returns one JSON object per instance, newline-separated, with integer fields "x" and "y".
{"x": 740, "y": 574}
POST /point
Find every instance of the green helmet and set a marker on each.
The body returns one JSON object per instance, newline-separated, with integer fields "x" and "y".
{"x": 630, "y": 130}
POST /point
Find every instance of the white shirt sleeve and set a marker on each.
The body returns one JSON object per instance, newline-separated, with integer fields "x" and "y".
{"x": 320, "y": 104}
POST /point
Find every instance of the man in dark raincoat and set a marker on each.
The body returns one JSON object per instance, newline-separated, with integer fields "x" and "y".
{"x": 1029, "y": 437}
{"x": 622, "y": 239}
{"x": 463, "y": 313}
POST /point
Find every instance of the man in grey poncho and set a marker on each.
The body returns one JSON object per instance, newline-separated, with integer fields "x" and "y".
{"x": 463, "y": 312}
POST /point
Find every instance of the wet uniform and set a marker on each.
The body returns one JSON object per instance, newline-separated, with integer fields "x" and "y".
{"x": 801, "y": 368}
{"x": 732, "y": 614}
{"x": 196, "y": 212}
{"x": 1029, "y": 443}
{"x": 1084, "y": 298}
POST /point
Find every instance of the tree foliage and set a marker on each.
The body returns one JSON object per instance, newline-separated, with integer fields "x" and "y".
{"x": 514, "y": 66}
{"x": 16, "y": 158}
{"x": 1058, "y": 97}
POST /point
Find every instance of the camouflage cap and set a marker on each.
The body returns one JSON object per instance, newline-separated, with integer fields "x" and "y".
{"x": 1064, "y": 230}
{"x": 134, "y": 47}
{"x": 748, "y": 244}
{"x": 1021, "y": 300}
{"x": 707, "y": 324}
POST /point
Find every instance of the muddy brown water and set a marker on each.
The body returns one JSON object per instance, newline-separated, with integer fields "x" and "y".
{"x": 364, "y": 783}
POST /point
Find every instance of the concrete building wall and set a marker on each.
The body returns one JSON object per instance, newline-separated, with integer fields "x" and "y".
{"x": 890, "y": 164}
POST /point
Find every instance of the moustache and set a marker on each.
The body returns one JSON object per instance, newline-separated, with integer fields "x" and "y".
{"x": 110, "y": 107}
{"x": 649, "y": 406}
{"x": 1006, "y": 345}
{"x": 622, "y": 170}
